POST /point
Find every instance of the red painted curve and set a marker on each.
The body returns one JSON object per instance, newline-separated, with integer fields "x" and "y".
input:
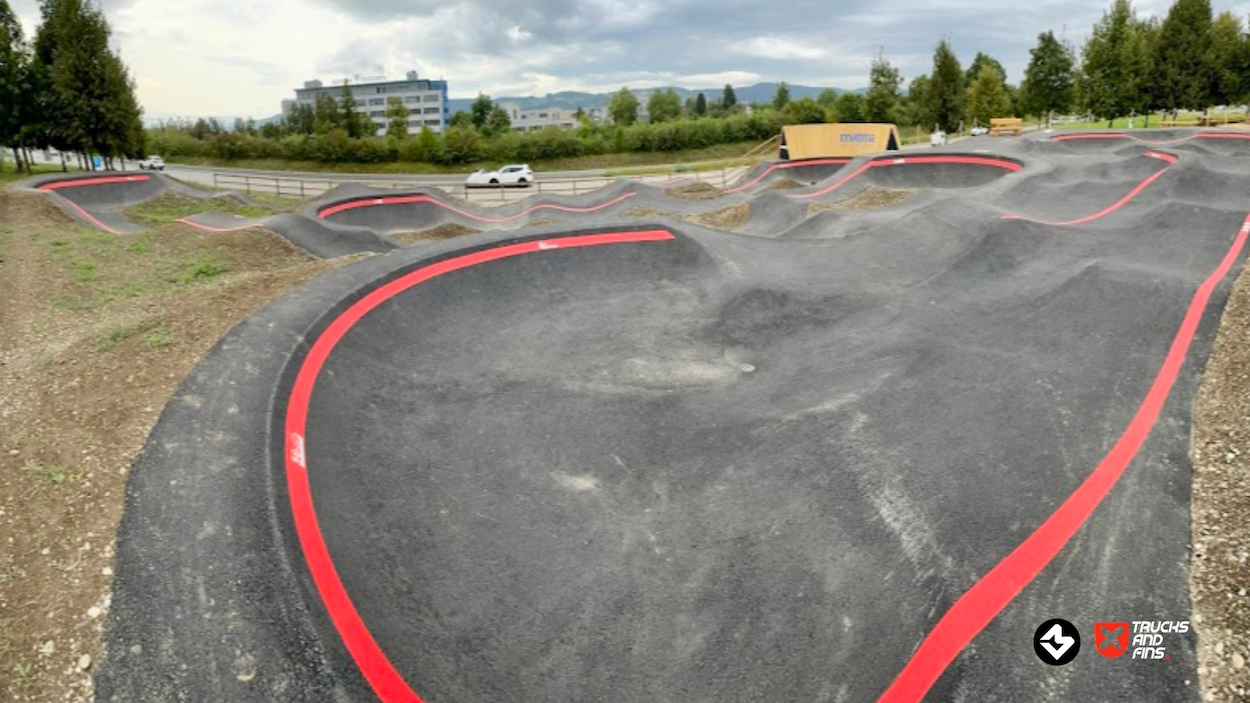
{"x": 1170, "y": 159}
{"x": 788, "y": 164}
{"x": 914, "y": 161}
{"x": 1164, "y": 142}
{"x": 387, "y": 683}
{"x": 404, "y": 199}
{"x": 57, "y": 185}
{"x": 988, "y": 596}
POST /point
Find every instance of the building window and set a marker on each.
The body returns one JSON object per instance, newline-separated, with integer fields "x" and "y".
{"x": 434, "y": 123}
{"x": 412, "y": 99}
{"x": 431, "y": 110}
{"x": 360, "y": 103}
{"x": 433, "y": 98}
{"x": 542, "y": 115}
{"x": 378, "y": 113}
{"x": 414, "y": 123}
{"x": 377, "y": 101}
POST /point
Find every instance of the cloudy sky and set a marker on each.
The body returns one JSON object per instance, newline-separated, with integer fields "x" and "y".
{"x": 242, "y": 57}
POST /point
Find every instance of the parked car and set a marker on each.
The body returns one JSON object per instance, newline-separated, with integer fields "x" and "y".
{"x": 152, "y": 163}
{"x": 979, "y": 131}
{"x": 514, "y": 175}
{"x": 938, "y": 138}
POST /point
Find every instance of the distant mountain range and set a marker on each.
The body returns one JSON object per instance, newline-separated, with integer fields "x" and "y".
{"x": 571, "y": 100}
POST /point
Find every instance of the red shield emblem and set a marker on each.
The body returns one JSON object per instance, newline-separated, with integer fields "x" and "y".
{"x": 1111, "y": 638}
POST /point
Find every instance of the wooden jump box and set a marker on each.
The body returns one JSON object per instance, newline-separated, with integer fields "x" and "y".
{"x": 1005, "y": 125}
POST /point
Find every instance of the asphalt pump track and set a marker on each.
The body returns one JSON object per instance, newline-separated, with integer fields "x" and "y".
{"x": 838, "y": 456}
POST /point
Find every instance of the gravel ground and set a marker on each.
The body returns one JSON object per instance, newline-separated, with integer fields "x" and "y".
{"x": 1220, "y": 569}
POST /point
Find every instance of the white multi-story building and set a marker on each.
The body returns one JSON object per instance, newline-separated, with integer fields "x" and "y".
{"x": 425, "y": 99}
{"x": 538, "y": 118}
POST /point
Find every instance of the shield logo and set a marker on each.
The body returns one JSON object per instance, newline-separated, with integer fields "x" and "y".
{"x": 1111, "y": 638}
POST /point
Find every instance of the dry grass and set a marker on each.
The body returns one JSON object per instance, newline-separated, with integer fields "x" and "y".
{"x": 100, "y": 329}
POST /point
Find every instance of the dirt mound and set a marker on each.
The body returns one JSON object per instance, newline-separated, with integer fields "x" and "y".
{"x": 728, "y": 218}
{"x": 694, "y": 191}
{"x": 873, "y": 198}
{"x": 785, "y": 184}
{"x": 443, "y": 231}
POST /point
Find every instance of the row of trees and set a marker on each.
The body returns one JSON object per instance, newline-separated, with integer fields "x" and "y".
{"x": 463, "y": 143}
{"x": 66, "y": 90}
{"x": 1189, "y": 60}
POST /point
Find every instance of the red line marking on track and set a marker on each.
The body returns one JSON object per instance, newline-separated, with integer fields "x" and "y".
{"x": 914, "y": 160}
{"x": 377, "y": 669}
{"x": 57, "y": 185}
{"x": 789, "y": 164}
{"x": 1165, "y": 142}
{"x": 401, "y": 199}
{"x": 1169, "y": 158}
{"x": 988, "y": 596}
{"x": 89, "y": 216}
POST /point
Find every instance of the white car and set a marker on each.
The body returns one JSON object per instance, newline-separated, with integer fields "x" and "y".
{"x": 979, "y": 131}
{"x": 513, "y": 175}
{"x": 152, "y": 163}
{"x": 938, "y": 138}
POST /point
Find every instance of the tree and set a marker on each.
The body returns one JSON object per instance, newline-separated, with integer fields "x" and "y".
{"x": 623, "y": 107}
{"x": 396, "y": 119}
{"x": 728, "y": 97}
{"x": 87, "y": 81}
{"x": 987, "y": 96}
{"x": 356, "y": 124}
{"x": 782, "y": 97}
{"x": 1049, "y": 81}
{"x": 946, "y": 89}
{"x": 700, "y": 105}
{"x": 461, "y": 119}
{"x": 1228, "y": 42}
{"x": 805, "y": 110}
{"x": 1138, "y": 57}
{"x": 1105, "y": 77}
{"x": 499, "y": 122}
{"x": 327, "y": 114}
{"x": 480, "y": 109}
{"x": 980, "y": 61}
{"x": 827, "y": 98}
{"x": 881, "y": 102}
{"x": 918, "y": 101}
{"x": 1183, "y": 70}
{"x": 850, "y": 107}
{"x": 302, "y": 120}
{"x": 664, "y": 105}
{"x": 13, "y": 85}
{"x": 427, "y": 146}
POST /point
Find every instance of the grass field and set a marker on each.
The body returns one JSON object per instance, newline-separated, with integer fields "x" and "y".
{"x": 8, "y": 174}
{"x": 1139, "y": 122}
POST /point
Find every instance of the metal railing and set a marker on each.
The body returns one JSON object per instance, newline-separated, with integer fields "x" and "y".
{"x": 304, "y": 188}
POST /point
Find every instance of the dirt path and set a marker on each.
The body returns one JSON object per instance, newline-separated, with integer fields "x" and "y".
{"x": 98, "y": 331}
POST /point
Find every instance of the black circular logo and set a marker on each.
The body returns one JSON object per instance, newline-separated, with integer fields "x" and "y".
{"x": 1056, "y": 642}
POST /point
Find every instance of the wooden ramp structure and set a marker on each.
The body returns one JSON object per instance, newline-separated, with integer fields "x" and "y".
{"x": 814, "y": 141}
